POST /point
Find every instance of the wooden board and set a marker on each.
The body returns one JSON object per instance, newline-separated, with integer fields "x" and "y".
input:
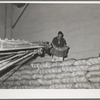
{"x": 20, "y": 49}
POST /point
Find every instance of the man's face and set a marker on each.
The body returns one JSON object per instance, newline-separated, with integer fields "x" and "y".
{"x": 59, "y": 36}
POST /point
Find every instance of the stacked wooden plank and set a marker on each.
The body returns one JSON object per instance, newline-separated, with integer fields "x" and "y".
{"x": 69, "y": 74}
{"x": 14, "y": 53}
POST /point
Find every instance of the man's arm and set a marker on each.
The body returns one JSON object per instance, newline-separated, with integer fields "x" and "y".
{"x": 53, "y": 44}
{"x": 65, "y": 46}
{"x": 65, "y": 43}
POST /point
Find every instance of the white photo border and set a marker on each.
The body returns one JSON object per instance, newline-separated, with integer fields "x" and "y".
{"x": 50, "y": 93}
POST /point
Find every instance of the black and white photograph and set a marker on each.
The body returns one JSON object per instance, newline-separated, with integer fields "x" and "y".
{"x": 49, "y": 46}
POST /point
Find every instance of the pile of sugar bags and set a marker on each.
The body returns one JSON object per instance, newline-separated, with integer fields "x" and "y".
{"x": 69, "y": 74}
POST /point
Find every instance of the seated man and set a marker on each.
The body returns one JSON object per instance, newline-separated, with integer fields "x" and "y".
{"x": 59, "y": 48}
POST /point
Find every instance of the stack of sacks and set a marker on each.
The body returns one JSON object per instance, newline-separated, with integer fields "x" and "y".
{"x": 69, "y": 74}
{"x": 21, "y": 79}
{"x": 93, "y": 74}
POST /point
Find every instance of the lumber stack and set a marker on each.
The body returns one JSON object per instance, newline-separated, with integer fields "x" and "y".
{"x": 13, "y": 53}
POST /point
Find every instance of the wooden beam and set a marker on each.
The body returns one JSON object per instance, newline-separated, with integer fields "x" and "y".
{"x": 20, "y": 16}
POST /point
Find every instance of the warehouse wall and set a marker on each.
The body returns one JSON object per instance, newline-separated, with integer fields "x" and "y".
{"x": 2, "y": 16}
{"x": 2, "y": 21}
{"x": 9, "y": 22}
{"x": 79, "y": 23}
